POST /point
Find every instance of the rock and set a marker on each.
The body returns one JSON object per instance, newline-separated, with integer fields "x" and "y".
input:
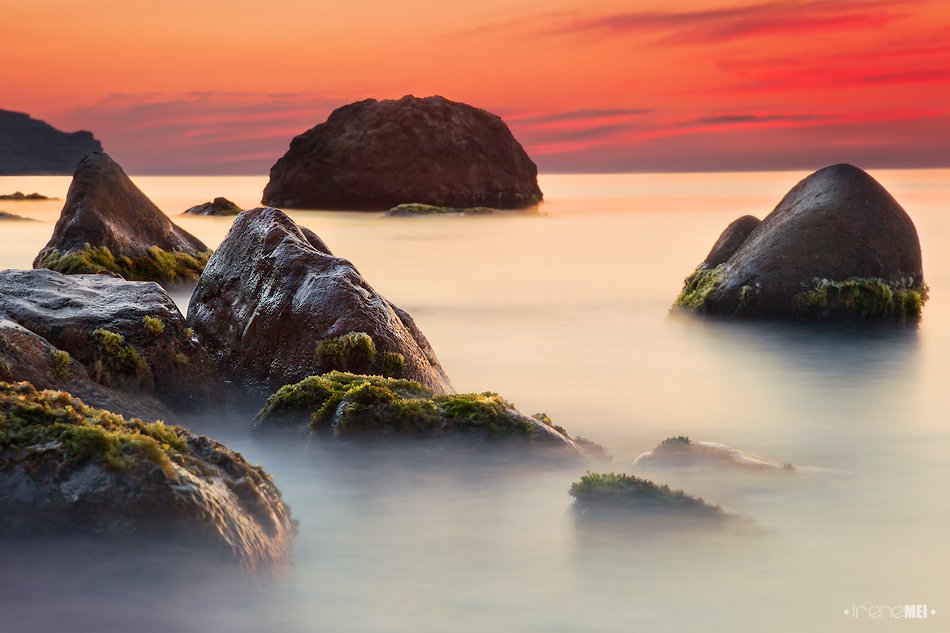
{"x": 275, "y": 306}
{"x": 347, "y": 405}
{"x": 731, "y": 239}
{"x": 127, "y": 335}
{"x": 69, "y": 469}
{"x": 414, "y": 208}
{"x": 20, "y": 196}
{"x": 621, "y": 495}
{"x": 374, "y": 155}
{"x": 219, "y": 206}
{"x": 837, "y": 247}
{"x": 13, "y": 217}
{"x": 108, "y": 224}
{"x": 25, "y": 356}
{"x": 680, "y": 451}
{"x": 30, "y": 146}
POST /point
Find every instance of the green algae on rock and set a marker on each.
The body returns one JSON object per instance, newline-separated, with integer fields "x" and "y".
{"x": 156, "y": 265}
{"x": 862, "y": 299}
{"x": 619, "y": 492}
{"x": 417, "y": 208}
{"x": 66, "y": 467}
{"x": 350, "y": 405}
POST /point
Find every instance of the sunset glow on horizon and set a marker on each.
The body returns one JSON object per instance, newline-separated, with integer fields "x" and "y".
{"x": 222, "y": 87}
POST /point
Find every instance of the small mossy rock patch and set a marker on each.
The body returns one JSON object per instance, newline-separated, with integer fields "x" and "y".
{"x": 619, "y": 493}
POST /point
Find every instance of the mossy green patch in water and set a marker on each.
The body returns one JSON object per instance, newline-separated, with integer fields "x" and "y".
{"x": 861, "y": 299}
{"x": 158, "y": 265}
{"x": 619, "y": 491}
{"x": 698, "y": 286}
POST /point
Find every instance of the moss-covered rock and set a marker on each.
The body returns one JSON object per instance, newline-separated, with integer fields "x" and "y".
{"x": 838, "y": 247}
{"x": 350, "y": 405}
{"x": 155, "y": 265}
{"x": 69, "y": 468}
{"x": 619, "y": 492}
{"x": 680, "y": 451}
{"x": 108, "y": 225}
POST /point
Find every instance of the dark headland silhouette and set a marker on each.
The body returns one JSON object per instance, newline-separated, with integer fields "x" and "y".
{"x": 31, "y": 146}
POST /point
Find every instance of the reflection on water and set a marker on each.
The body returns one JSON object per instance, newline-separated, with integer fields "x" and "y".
{"x": 567, "y": 313}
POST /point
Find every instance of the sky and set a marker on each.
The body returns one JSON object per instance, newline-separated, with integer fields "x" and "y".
{"x": 216, "y": 87}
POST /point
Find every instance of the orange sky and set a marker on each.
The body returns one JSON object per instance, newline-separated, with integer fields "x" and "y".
{"x": 221, "y": 87}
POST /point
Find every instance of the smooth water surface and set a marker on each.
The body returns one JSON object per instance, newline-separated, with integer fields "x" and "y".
{"x": 566, "y": 312}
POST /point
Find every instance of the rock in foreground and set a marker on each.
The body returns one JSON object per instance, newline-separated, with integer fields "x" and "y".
{"x": 275, "y": 306}
{"x": 66, "y": 468}
{"x": 374, "y": 155}
{"x": 218, "y": 206}
{"x": 837, "y": 247}
{"x": 353, "y": 406}
{"x": 620, "y": 494}
{"x": 127, "y": 335}
{"x": 109, "y": 225}
{"x": 31, "y": 146}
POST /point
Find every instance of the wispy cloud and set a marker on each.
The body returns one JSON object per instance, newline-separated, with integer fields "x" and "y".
{"x": 580, "y": 115}
{"x": 707, "y": 26}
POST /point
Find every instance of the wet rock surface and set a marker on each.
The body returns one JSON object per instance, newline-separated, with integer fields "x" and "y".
{"x": 127, "y": 335}
{"x": 218, "y": 206}
{"x": 108, "y": 224}
{"x": 274, "y": 306}
{"x": 374, "y": 155}
{"x": 66, "y": 468}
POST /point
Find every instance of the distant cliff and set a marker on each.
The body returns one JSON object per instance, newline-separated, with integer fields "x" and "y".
{"x": 29, "y": 146}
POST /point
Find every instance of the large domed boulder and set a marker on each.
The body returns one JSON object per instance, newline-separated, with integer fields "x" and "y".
{"x": 109, "y": 225}
{"x": 274, "y": 306}
{"x": 376, "y": 155}
{"x": 69, "y": 469}
{"x": 127, "y": 335}
{"x": 838, "y": 247}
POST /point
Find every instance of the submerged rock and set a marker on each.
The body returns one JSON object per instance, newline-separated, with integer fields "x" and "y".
{"x": 414, "y": 208}
{"x": 108, "y": 224}
{"x": 275, "y": 306}
{"x": 218, "y": 206}
{"x": 127, "y": 335}
{"x": 378, "y": 154}
{"x": 618, "y": 494}
{"x": 19, "y": 195}
{"x": 353, "y": 406}
{"x": 14, "y": 217}
{"x": 31, "y": 146}
{"x": 837, "y": 247}
{"x": 66, "y": 468}
{"x": 681, "y": 451}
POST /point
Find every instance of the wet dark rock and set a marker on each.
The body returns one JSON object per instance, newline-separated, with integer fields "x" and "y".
{"x": 108, "y": 224}
{"x": 731, "y": 239}
{"x": 31, "y": 146}
{"x": 274, "y": 306}
{"x": 681, "y": 451}
{"x": 218, "y": 206}
{"x": 837, "y": 247}
{"x": 378, "y": 154}
{"x": 69, "y": 469}
{"x": 127, "y": 335}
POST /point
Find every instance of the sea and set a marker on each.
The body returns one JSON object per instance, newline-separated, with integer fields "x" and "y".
{"x": 566, "y": 310}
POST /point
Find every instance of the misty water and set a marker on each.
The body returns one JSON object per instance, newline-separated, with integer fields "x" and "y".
{"x": 565, "y": 311}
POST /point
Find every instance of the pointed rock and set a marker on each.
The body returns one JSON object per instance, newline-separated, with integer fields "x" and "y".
{"x": 376, "y": 155}
{"x": 275, "y": 306}
{"x": 108, "y": 224}
{"x": 838, "y": 247}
